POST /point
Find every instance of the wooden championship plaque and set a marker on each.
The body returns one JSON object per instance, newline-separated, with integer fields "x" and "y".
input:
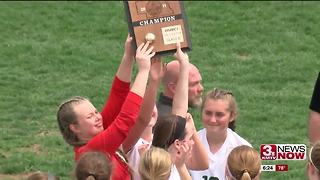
{"x": 162, "y": 23}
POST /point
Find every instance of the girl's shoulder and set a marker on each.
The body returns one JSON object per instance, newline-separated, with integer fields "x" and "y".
{"x": 235, "y": 139}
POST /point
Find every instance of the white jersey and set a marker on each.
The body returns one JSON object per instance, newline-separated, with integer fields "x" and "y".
{"x": 174, "y": 174}
{"x": 134, "y": 157}
{"x": 218, "y": 160}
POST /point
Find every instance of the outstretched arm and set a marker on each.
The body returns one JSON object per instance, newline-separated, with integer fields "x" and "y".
{"x": 180, "y": 98}
{"x": 125, "y": 69}
{"x": 120, "y": 86}
{"x": 143, "y": 57}
{"x": 156, "y": 73}
{"x": 111, "y": 138}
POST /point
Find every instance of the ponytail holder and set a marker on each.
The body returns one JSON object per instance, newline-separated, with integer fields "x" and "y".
{"x": 91, "y": 175}
{"x": 245, "y": 171}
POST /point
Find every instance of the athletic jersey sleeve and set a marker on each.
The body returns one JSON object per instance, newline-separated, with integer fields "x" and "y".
{"x": 111, "y": 138}
{"x": 117, "y": 96}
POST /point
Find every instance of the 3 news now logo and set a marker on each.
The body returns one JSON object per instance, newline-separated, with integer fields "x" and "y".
{"x": 283, "y": 151}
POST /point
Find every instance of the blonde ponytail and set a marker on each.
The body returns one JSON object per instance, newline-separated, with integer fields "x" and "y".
{"x": 244, "y": 163}
{"x": 245, "y": 175}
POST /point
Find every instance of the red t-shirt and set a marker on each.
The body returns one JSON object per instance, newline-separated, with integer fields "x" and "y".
{"x": 119, "y": 115}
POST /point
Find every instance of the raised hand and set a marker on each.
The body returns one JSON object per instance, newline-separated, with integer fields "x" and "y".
{"x": 181, "y": 56}
{"x": 125, "y": 68}
{"x": 157, "y": 69}
{"x": 180, "y": 98}
{"x": 183, "y": 154}
{"x": 128, "y": 49}
{"x": 143, "y": 56}
{"x": 199, "y": 159}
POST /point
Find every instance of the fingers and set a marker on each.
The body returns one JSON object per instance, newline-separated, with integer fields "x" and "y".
{"x": 140, "y": 47}
{"x": 179, "y": 53}
{"x": 187, "y": 146}
{"x": 185, "y": 150}
{"x": 145, "y": 46}
{"x": 144, "y": 53}
{"x": 184, "y": 147}
{"x": 149, "y": 50}
{"x": 152, "y": 54}
{"x": 178, "y": 45}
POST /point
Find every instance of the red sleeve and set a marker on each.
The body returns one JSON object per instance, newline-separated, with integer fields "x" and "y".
{"x": 111, "y": 138}
{"x": 118, "y": 94}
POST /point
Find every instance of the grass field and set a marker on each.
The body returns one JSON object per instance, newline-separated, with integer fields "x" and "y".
{"x": 267, "y": 53}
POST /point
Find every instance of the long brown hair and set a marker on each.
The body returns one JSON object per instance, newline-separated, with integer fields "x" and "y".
{"x": 167, "y": 130}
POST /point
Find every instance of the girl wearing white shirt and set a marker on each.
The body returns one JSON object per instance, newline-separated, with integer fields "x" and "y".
{"x": 218, "y": 110}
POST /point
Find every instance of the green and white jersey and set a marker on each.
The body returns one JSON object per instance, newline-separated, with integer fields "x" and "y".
{"x": 218, "y": 160}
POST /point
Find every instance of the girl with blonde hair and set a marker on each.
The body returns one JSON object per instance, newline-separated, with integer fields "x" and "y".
{"x": 219, "y": 108}
{"x": 86, "y": 129}
{"x": 155, "y": 163}
{"x": 243, "y": 163}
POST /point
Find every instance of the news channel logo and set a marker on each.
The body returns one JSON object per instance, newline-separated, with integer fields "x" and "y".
{"x": 281, "y": 152}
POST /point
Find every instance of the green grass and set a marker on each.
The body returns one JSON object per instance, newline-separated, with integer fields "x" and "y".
{"x": 265, "y": 52}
